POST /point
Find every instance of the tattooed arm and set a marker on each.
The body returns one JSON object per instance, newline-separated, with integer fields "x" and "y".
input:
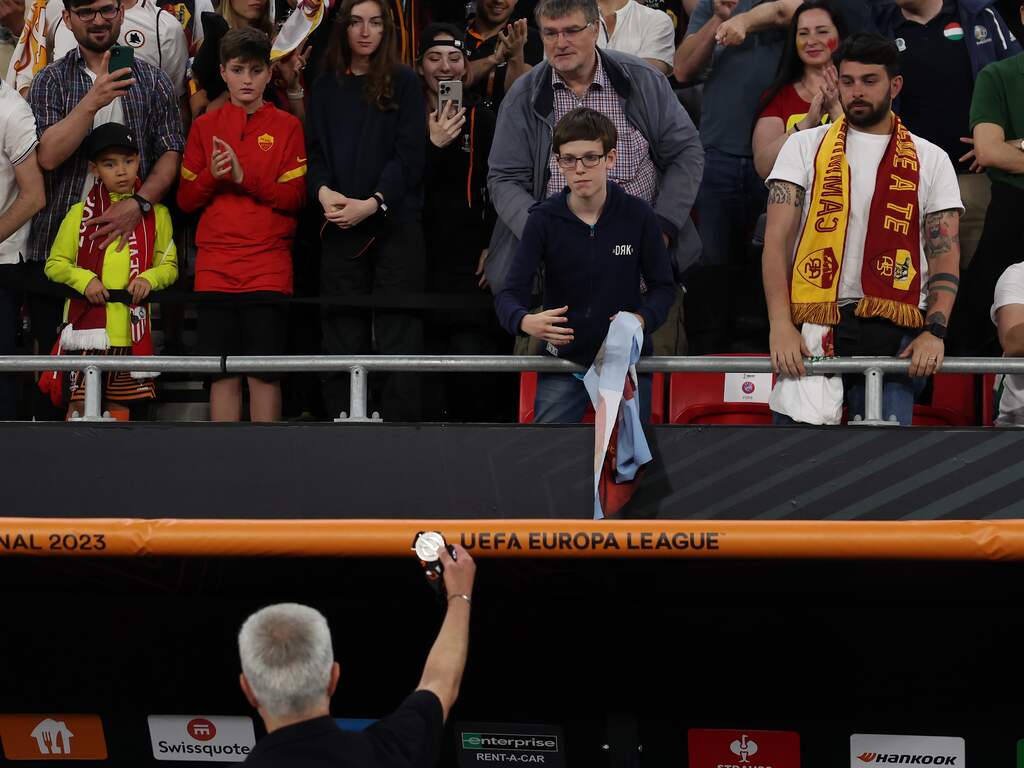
{"x": 942, "y": 249}
{"x": 785, "y": 204}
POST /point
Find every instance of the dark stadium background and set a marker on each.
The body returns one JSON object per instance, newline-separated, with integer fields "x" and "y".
{"x": 823, "y": 648}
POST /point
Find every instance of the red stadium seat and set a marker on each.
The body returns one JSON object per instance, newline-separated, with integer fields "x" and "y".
{"x": 528, "y": 393}
{"x": 699, "y": 398}
{"x": 989, "y": 406}
{"x": 952, "y": 402}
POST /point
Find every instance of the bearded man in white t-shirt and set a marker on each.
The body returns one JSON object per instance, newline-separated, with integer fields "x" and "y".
{"x": 862, "y": 250}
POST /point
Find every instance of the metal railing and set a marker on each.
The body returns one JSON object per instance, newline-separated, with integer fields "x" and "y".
{"x": 874, "y": 370}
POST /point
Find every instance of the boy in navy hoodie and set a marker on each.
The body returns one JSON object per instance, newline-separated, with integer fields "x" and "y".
{"x": 602, "y": 253}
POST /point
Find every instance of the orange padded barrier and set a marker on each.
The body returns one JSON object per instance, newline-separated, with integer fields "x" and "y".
{"x": 917, "y": 540}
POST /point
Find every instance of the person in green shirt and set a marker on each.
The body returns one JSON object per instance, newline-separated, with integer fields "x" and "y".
{"x": 997, "y": 123}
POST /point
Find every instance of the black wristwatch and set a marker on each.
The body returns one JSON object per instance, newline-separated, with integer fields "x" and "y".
{"x": 144, "y": 205}
{"x": 938, "y": 330}
{"x": 382, "y": 208}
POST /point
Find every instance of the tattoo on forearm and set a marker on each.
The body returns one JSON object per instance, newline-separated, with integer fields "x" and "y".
{"x": 944, "y": 277}
{"x": 785, "y": 193}
{"x": 936, "y": 317}
{"x": 941, "y": 233}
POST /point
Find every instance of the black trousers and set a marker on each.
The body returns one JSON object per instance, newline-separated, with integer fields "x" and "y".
{"x": 999, "y": 247}
{"x": 392, "y": 264}
{"x": 26, "y": 282}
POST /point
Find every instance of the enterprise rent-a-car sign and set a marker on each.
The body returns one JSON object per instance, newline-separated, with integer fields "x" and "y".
{"x": 481, "y": 744}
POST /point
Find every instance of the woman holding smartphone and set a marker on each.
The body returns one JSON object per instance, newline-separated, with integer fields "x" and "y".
{"x": 366, "y": 135}
{"x": 457, "y": 224}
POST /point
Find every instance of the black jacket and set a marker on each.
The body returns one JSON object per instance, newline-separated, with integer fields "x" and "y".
{"x": 594, "y": 270}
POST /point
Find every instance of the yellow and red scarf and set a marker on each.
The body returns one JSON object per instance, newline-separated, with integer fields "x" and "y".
{"x": 891, "y": 269}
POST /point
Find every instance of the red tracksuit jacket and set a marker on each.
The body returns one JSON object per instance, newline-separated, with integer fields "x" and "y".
{"x": 245, "y": 230}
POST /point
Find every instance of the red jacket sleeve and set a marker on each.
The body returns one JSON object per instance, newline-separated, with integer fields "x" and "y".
{"x": 285, "y": 189}
{"x": 197, "y": 183}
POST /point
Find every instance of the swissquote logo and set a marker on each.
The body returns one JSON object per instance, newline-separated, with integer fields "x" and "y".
{"x": 881, "y": 749}
{"x": 720, "y": 748}
{"x": 52, "y": 737}
{"x": 206, "y": 739}
{"x": 201, "y": 729}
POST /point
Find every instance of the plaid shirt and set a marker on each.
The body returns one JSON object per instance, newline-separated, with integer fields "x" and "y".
{"x": 150, "y": 113}
{"x": 634, "y": 170}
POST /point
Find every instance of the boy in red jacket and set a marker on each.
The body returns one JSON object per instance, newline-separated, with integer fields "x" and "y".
{"x": 244, "y": 167}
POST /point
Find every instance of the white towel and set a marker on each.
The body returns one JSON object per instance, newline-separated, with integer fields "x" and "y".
{"x": 811, "y": 399}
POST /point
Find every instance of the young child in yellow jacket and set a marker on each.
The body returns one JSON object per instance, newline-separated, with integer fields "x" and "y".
{"x": 144, "y": 261}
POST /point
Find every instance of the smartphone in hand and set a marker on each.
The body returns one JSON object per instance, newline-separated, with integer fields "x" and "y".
{"x": 449, "y": 92}
{"x": 121, "y": 56}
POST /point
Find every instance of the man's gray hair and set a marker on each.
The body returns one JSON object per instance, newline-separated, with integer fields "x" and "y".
{"x": 559, "y": 9}
{"x": 287, "y": 656}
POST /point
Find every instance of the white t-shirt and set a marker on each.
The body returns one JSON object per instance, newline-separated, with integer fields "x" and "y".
{"x": 938, "y": 190}
{"x": 155, "y": 34}
{"x": 112, "y": 113}
{"x": 641, "y": 31}
{"x": 1010, "y": 290}
{"x": 17, "y": 140}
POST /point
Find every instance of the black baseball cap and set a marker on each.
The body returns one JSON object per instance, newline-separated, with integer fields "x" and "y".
{"x": 109, "y": 135}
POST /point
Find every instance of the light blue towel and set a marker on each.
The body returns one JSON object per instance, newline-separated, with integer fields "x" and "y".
{"x": 605, "y": 382}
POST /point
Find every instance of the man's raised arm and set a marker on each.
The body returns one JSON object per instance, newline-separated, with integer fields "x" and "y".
{"x": 442, "y": 673}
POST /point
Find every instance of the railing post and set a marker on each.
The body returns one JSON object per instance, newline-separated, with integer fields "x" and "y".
{"x": 93, "y": 396}
{"x": 357, "y": 397}
{"x": 873, "y": 400}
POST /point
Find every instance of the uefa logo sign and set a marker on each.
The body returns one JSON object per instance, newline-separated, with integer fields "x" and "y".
{"x": 201, "y": 729}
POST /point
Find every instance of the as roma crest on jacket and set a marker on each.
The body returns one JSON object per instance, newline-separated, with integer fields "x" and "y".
{"x": 265, "y": 141}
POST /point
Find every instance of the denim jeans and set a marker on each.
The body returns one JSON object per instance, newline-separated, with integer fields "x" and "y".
{"x": 562, "y": 398}
{"x": 730, "y": 199}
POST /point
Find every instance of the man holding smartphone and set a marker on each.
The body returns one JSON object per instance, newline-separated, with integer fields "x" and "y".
{"x": 69, "y": 98}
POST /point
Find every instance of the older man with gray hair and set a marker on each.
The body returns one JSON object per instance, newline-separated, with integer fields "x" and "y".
{"x": 289, "y": 675}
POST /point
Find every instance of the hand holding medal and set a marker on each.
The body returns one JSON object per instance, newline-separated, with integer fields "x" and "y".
{"x": 448, "y": 567}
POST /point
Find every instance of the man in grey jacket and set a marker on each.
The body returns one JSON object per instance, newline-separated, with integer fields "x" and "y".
{"x": 660, "y": 157}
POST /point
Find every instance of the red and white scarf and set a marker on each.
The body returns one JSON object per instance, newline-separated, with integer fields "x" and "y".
{"x": 88, "y": 327}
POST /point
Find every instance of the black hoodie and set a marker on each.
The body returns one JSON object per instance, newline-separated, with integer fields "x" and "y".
{"x": 594, "y": 270}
